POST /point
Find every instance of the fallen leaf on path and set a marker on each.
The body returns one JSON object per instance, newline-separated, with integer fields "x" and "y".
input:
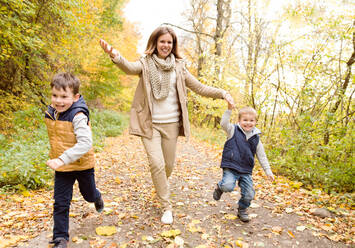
{"x": 230, "y": 217}
{"x": 106, "y": 230}
{"x": 252, "y": 216}
{"x": 179, "y": 241}
{"x": 171, "y": 233}
{"x": 276, "y": 229}
{"x": 254, "y": 205}
{"x": 300, "y": 228}
{"x": 290, "y": 234}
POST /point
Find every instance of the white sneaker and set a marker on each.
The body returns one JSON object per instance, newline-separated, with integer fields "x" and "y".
{"x": 167, "y": 217}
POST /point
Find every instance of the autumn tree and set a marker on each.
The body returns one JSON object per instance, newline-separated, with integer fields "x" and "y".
{"x": 40, "y": 38}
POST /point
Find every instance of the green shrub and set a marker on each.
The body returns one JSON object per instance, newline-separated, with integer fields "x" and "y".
{"x": 106, "y": 123}
{"x": 25, "y": 152}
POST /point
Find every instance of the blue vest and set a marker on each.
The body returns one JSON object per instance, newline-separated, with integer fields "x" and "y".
{"x": 68, "y": 115}
{"x": 238, "y": 152}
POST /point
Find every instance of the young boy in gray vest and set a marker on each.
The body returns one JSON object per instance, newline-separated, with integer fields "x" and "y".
{"x": 71, "y": 153}
{"x": 243, "y": 143}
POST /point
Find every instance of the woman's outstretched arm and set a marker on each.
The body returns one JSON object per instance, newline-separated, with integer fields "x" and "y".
{"x": 131, "y": 68}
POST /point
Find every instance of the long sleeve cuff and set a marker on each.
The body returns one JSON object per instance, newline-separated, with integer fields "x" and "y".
{"x": 117, "y": 58}
{"x": 65, "y": 158}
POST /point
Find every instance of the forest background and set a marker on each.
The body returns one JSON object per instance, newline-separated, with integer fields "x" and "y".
{"x": 295, "y": 67}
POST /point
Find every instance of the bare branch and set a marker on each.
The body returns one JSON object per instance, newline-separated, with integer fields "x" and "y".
{"x": 186, "y": 30}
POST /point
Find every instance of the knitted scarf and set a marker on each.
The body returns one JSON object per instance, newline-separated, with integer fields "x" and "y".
{"x": 161, "y": 86}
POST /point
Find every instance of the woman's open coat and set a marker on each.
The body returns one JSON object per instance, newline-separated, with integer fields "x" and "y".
{"x": 141, "y": 109}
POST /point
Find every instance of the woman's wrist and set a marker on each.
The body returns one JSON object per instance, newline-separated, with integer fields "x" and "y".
{"x": 224, "y": 94}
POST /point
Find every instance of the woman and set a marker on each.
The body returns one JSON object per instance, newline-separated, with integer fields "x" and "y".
{"x": 159, "y": 109}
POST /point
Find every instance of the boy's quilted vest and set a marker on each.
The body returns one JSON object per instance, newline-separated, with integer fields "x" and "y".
{"x": 62, "y": 137}
{"x": 238, "y": 152}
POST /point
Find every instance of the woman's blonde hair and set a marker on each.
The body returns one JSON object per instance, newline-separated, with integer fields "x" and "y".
{"x": 247, "y": 110}
{"x": 152, "y": 42}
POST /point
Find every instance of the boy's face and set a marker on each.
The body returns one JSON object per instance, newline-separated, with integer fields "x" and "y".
{"x": 247, "y": 122}
{"x": 63, "y": 99}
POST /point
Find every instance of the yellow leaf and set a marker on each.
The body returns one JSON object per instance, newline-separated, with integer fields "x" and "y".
{"x": 296, "y": 185}
{"x": 117, "y": 180}
{"x": 106, "y": 230}
{"x": 11, "y": 240}
{"x": 230, "y": 217}
{"x": 77, "y": 240}
{"x": 195, "y": 221}
{"x": 239, "y": 243}
{"x": 276, "y": 229}
{"x": 25, "y": 193}
{"x": 194, "y": 229}
{"x": 17, "y": 199}
{"x": 290, "y": 234}
{"x": 171, "y": 233}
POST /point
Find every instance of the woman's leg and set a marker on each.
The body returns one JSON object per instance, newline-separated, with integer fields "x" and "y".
{"x": 155, "y": 156}
{"x": 170, "y": 133}
{"x": 161, "y": 150}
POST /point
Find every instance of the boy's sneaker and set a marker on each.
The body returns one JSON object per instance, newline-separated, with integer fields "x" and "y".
{"x": 217, "y": 193}
{"x": 59, "y": 243}
{"x": 99, "y": 204}
{"x": 243, "y": 215}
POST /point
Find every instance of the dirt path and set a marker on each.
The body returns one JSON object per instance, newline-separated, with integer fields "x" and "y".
{"x": 131, "y": 207}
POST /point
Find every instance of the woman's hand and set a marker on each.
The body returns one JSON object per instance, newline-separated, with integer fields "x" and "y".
{"x": 108, "y": 49}
{"x": 229, "y": 100}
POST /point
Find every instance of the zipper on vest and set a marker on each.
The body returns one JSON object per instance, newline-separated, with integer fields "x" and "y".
{"x": 53, "y": 118}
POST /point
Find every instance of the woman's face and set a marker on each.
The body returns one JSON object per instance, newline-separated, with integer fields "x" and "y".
{"x": 164, "y": 45}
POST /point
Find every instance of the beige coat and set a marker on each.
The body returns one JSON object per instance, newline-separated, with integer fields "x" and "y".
{"x": 141, "y": 109}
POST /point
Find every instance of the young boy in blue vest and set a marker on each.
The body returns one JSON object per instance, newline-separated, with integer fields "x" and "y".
{"x": 71, "y": 153}
{"x": 243, "y": 143}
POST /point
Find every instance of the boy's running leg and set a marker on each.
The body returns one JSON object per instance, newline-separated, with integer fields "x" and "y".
{"x": 88, "y": 190}
{"x": 247, "y": 195}
{"x": 227, "y": 184}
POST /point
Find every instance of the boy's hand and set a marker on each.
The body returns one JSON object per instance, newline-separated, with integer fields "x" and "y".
{"x": 55, "y": 163}
{"x": 229, "y": 100}
{"x": 108, "y": 49}
{"x": 271, "y": 178}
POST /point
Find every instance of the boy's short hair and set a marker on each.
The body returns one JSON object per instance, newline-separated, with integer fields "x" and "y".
{"x": 66, "y": 80}
{"x": 247, "y": 110}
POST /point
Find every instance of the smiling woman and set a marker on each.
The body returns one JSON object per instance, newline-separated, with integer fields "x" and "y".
{"x": 159, "y": 109}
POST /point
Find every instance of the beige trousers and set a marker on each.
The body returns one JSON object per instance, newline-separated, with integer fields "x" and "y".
{"x": 161, "y": 149}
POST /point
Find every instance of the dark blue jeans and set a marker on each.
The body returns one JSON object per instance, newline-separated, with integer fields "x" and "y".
{"x": 63, "y": 193}
{"x": 245, "y": 182}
